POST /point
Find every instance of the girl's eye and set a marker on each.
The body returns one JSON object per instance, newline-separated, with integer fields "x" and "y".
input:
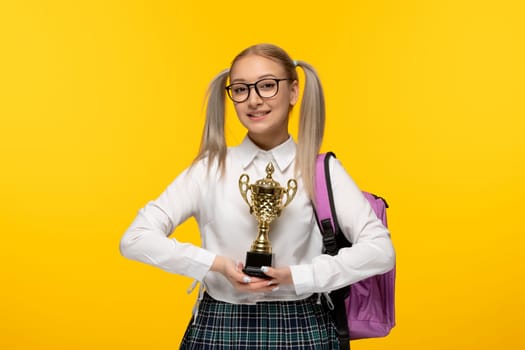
{"x": 239, "y": 89}
{"x": 266, "y": 85}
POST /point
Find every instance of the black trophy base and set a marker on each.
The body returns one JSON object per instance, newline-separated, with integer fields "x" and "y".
{"x": 254, "y": 262}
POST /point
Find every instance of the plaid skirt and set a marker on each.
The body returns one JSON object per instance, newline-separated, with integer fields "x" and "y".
{"x": 298, "y": 325}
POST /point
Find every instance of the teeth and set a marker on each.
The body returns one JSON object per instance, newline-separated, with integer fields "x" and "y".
{"x": 258, "y": 114}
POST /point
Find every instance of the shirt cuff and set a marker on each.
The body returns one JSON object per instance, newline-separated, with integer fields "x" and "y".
{"x": 204, "y": 261}
{"x": 303, "y": 278}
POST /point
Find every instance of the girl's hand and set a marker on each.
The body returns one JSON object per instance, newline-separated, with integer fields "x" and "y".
{"x": 279, "y": 275}
{"x": 239, "y": 280}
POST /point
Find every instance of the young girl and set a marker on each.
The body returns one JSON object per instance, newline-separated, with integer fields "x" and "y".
{"x": 237, "y": 311}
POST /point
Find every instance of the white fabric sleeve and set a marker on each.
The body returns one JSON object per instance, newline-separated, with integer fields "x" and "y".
{"x": 147, "y": 241}
{"x": 372, "y": 252}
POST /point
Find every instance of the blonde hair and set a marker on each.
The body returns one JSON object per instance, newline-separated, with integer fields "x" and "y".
{"x": 311, "y": 116}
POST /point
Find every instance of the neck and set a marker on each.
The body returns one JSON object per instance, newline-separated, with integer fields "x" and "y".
{"x": 266, "y": 143}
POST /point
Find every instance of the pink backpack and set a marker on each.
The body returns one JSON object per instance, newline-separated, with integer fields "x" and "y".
{"x": 364, "y": 309}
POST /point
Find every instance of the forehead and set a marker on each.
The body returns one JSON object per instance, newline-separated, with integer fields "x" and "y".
{"x": 254, "y": 67}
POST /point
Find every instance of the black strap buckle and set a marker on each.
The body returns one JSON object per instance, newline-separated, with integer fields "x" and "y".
{"x": 329, "y": 240}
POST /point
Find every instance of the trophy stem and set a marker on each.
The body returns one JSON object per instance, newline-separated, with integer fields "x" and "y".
{"x": 262, "y": 243}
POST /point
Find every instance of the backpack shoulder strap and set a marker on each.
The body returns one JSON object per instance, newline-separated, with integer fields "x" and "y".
{"x": 323, "y": 192}
{"x": 324, "y": 206}
{"x": 327, "y": 221}
{"x": 324, "y": 203}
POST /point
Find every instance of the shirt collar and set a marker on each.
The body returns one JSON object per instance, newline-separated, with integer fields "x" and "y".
{"x": 283, "y": 154}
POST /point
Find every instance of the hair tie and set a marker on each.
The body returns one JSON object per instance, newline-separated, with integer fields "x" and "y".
{"x": 295, "y": 63}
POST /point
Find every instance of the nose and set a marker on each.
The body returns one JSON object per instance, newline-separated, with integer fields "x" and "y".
{"x": 254, "y": 99}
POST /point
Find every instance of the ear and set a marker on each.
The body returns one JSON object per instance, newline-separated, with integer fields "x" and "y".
{"x": 294, "y": 92}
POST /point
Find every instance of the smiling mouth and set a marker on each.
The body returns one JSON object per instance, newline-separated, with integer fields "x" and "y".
{"x": 258, "y": 114}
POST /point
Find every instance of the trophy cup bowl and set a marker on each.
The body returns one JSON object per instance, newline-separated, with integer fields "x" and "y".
{"x": 266, "y": 200}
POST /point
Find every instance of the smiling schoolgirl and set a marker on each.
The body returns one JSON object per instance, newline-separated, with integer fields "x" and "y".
{"x": 237, "y": 311}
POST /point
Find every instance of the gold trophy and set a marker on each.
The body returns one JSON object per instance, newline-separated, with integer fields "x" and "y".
{"x": 267, "y": 200}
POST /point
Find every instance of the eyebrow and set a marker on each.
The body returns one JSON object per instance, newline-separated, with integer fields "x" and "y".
{"x": 239, "y": 80}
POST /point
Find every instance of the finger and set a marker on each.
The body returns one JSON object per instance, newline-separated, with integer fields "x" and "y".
{"x": 281, "y": 274}
{"x": 237, "y": 275}
{"x": 269, "y": 271}
{"x": 262, "y": 286}
{"x": 245, "y": 279}
{"x": 252, "y": 279}
{"x": 257, "y": 287}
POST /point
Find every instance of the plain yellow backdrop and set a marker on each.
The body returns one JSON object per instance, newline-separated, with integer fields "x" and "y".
{"x": 101, "y": 107}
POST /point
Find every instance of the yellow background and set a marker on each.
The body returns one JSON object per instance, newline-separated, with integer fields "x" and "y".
{"x": 101, "y": 107}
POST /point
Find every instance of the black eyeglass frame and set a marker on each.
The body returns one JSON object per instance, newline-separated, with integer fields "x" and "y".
{"x": 277, "y": 81}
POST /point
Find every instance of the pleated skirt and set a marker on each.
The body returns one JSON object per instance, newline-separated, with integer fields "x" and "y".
{"x": 275, "y": 325}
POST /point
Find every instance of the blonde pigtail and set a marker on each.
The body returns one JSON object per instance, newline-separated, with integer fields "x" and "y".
{"x": 213, "y": 141}
{"x": 311, "y": 126}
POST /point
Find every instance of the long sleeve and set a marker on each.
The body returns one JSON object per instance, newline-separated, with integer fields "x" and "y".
{"x": 147, "y": 241}
{"x": 371, "y": 253}
{"x": 226, "y": 227}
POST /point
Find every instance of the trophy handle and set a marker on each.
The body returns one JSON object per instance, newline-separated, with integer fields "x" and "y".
{"x": 290, "y": 192}
{"x": 244, "y": 187}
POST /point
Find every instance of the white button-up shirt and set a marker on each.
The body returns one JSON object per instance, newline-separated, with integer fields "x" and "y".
{"x": 227, "y": 228}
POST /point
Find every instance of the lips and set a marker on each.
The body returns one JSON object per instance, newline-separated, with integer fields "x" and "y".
{"x": 259, "y": 114}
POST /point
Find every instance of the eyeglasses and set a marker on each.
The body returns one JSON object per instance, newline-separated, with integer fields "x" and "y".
{"x": 265, "y": 88}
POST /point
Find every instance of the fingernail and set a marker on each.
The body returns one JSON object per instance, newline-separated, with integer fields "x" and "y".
{"x": 275, "y": 289}
{"x": 264, "y": 269}
{"x": 270, "y": 283}
{"x": 246, "y": 279}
